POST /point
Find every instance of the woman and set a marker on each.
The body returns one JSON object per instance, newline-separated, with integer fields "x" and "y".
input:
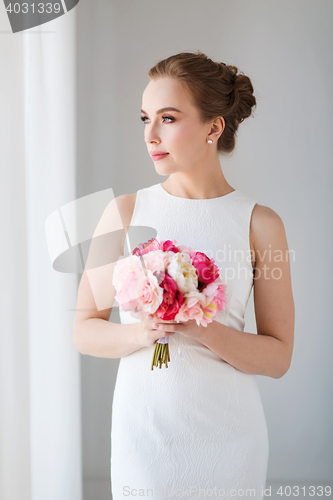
{"x": 197, "y": 428}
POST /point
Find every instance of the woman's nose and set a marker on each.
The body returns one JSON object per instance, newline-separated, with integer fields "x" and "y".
{"x": 153, "y": 141}
{"x": 152, "y": 138}
{"x": 151, "y": 135}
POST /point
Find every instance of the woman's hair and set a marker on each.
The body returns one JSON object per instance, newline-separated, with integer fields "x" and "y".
{"x": 216, "y": 89}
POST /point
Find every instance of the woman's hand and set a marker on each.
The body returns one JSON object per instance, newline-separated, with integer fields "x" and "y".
{"x": 188, "y": 328}
{"x": 148, "y": 333}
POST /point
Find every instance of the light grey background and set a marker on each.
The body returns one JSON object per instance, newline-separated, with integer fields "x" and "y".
{"x": 283, "y": 160}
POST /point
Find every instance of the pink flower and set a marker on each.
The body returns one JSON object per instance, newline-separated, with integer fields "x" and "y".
{"x": 209, "y": 312}
{"x": 191, "y": 308}
{"x": 140, "y": 292}
{"x": 149, "y": 246}
{"x": 149, "y": 293}
{"x": 154, "y": 244}
{"x": 220, "y": 298}
{"x": 125, "y": 295}
{"x": 155, "y": 260}
{"x": 206, "y": 269}
{"x": 169, "y": 246}
{"x": 123, "y": 268}
{"x": 172, "y": 299}
{"x": 184, "y": 249}
{"x": 216, "y": 292}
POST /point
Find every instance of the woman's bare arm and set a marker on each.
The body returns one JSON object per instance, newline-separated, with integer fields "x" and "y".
{"x": 273, "y": 296}
{"x": 93, "y": 334}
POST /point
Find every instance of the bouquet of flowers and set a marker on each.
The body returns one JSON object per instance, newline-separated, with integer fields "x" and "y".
{"x": 173, "y": 281}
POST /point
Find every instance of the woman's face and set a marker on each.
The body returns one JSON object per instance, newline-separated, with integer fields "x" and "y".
{"x": 180, "y": 133}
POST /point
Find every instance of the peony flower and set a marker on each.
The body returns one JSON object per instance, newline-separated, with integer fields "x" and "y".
{"x": 140, "y": 291}
{"x": 209, "y": 312}
{"x": 123, "y": 267}
{"x": 150, "y": 294}
{"x": 155, "y": 260}
{"x": 172, "y": 299}
{"x": 169, "y": 246}
{"x": 125, "y": 295}
{"x": 191, "y": 308}
{"x": 220, "y": 298}
{"x": 184, "y": 249}
{"x": 206, "y": 269}
{"x": 180, "y": 268}
{"x": 216, "y": 291}
{"x": 149, "y": 246}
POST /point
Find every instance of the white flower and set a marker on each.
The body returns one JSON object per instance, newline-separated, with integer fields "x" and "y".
{"x": 180, "y": 268}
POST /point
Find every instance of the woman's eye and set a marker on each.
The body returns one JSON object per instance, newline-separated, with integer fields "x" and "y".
{"x": 168, "y": 118}
{"x": 144, "y": 118}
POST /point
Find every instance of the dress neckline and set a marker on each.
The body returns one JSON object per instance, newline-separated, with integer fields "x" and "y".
{"x": 161, "y": 188}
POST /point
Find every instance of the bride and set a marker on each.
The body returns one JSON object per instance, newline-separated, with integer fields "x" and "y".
{"x": 198, "y": 425}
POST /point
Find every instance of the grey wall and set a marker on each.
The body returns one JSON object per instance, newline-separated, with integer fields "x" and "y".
{"x": 283, "y": 160}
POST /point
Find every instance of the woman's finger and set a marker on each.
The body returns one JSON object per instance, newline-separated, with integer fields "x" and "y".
{"x": 165, "y": 327}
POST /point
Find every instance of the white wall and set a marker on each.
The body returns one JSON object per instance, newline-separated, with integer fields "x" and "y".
{"x": 283, "y": 160}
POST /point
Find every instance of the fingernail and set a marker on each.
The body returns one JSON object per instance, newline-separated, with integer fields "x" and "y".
{"x": 150, "y": 316}
{"x": 156, "y": 326}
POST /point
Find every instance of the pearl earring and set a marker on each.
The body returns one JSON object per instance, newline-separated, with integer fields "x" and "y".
{"x": 210, "y": 141}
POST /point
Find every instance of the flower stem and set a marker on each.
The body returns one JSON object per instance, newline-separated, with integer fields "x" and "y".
{"x": 161, "y": 355}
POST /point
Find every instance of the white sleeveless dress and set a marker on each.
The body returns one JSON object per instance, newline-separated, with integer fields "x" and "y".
{"x": 196, "y": 428}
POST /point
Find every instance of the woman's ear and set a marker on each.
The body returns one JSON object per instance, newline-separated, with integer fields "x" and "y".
{"x": 217, "y": 127}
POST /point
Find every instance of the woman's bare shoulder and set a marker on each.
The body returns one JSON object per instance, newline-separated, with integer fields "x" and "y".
{"x": 126, "y": 204}
{"x": 266, "y": 225}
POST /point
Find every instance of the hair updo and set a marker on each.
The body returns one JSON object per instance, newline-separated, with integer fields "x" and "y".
{"x": 216, "y": 90}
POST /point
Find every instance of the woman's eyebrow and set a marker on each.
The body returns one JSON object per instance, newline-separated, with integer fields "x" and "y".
{"x": 163, "y": 110}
